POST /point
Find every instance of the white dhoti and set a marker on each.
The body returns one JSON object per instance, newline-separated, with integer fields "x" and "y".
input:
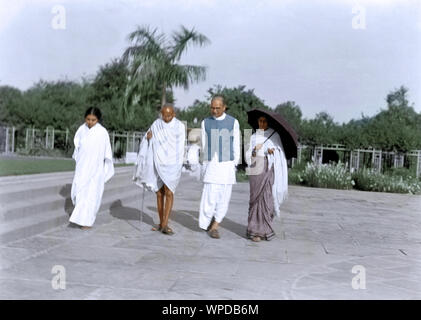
{"x": 94, "y": 167}
{"x": 214, "y": 203}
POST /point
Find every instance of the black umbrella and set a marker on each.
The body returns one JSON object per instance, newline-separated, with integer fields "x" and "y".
{"x": 275, "y": 121}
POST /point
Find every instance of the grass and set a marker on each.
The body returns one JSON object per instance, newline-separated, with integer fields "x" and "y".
{"x": 20, "y": 166}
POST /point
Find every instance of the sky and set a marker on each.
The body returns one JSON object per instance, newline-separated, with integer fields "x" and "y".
{"x": 338, "y": 56}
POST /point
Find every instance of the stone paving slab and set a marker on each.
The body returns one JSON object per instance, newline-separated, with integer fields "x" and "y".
{"x": 321, "y": 235}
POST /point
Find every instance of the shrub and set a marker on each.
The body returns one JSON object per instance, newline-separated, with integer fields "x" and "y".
{"x": 242, "y": 176}
{"x": 335, "y": 176}
{"x": 405, "y": 173}
{"x": 294, "y": 176}
{"x": 369, "y": 180}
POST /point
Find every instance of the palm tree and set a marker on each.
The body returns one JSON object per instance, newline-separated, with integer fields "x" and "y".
{"x": 154, "y": 64}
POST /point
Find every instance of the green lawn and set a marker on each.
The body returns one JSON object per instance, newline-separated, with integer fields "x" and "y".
{"x": 19, "y": 166}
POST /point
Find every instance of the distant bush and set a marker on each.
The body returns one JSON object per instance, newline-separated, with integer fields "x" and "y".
{"x": 369, "y": 180}
{"x": 334, "y": 176}
{"x": 294, "y": 176}
{"x": 241, "y": 176}
{"x": 405, "y": 173}
{"x": 337, "y": 176}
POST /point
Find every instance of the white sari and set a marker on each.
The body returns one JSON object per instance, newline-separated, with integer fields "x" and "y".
{"x": 160, "y": 159}
{"x": 94, "y": 167}
{"x": 277, "y": 159}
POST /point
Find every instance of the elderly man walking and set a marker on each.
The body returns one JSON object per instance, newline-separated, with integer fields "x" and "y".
{"x": 159, "y": 162}
{"x": 221, "y": 155}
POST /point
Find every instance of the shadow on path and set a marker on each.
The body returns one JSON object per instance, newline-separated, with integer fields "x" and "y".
{"x": 186, "y": 218}
{"x": 189, "y": 219}
{"x": 65, "y": 192}
{"x": 117, "y": 210}
{"x": 237, "y": 228}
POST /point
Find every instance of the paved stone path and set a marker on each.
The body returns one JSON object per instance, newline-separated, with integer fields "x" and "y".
{"x": 321, "y": 236}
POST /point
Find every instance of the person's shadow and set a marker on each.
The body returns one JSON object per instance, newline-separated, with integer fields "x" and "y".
{"x": 239, "y": 229}
{"x": 65, "y": 192}
{"x": 117, "y": 210}
{"x": 186, "y": 218}
{"x": 189, "y": 219}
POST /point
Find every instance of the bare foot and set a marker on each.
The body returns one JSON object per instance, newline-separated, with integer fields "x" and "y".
{"x": 157, "y": 229}
{"x": 85, "y": 228}
{"x": 256, "y": 239}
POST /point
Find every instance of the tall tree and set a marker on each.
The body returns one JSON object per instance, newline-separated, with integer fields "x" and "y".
{"x": 10, "y": 100}
{"x": 320, "y": 130}
{"x": 154, "y": 62}
{"x": 292, "y": 113}
{"x": 108, "y": 88}
{"x": 398, "y": 128}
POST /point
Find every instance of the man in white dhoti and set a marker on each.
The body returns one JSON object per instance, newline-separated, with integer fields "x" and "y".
{"x": 160, "y": 160}
{"x": 221, "y": 155}
{"x": 94, "y": 167}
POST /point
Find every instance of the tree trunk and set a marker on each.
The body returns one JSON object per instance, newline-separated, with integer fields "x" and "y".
{"x": 164, "y": 95}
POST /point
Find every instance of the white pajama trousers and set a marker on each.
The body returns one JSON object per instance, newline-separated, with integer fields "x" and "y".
{"x": 214, "y": 203}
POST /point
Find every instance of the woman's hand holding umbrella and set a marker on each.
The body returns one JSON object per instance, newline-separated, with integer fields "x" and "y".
{"x": 257, "y": 148}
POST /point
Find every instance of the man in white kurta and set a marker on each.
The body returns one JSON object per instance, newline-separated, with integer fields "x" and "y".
{"x": 221, "y": 150}
{"x": 94, "y": 167}
{"x": 160, "y": 161}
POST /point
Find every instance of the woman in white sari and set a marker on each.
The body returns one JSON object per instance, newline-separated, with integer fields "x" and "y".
{"x": 268, "y": 178}
{"x": 94, "y": 167}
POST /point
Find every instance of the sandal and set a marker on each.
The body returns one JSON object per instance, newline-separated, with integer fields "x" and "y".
{"x": 214, "y": 234}
{"x": 256, "y": 239}
{"x": 167, "y": 230}
{"x": 210, "y": 224}
{"x": 156, "y": 229}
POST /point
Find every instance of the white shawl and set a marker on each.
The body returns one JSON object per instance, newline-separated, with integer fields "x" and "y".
{"x": 161, "y": 158}
{"x": 145, "y": 174}
{"x": 280, "y": 185}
